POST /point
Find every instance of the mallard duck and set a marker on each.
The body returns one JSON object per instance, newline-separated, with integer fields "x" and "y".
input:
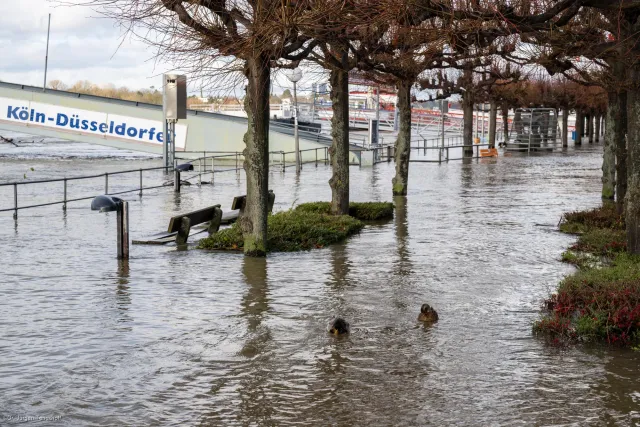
{"x": 339, "y": 326}
{"x": 427, "y": 314}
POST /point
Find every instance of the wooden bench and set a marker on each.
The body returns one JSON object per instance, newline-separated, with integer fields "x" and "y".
{"x": 180, "y": 225}
{"x": 488, "y": 152}
{"x": 238, "y": 206}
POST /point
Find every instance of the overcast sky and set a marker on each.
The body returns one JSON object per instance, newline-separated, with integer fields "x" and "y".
{"x": 83, "y": 46}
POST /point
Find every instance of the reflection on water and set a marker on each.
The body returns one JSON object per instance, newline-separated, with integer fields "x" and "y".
{"x": 192, "y": 337}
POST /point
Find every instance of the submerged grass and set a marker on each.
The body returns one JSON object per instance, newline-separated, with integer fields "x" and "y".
{"x": 579, "y": 222}
{"x": 601, "y": 301}
{"x": 290, "y": 231}
{"x": 365, "y": 211}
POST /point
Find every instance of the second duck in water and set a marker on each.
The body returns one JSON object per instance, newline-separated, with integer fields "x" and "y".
{"x": 427, "y": 314}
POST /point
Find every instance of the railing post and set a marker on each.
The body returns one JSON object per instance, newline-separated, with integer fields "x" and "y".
{"x": 326, "y": 155}
{"x": 199, "y": 171}
{"x": 212, "y": 171}
{"x": 316, "y": 157}
{"x": 140, "y": 182}
{"x": 283, "y": 163}
{"x": 64, "y": 205}
{"x": 176, "y": 179}
{"x": 106, "y": 183}
{"x": 388, "y": 153}
{"x": 15, "y": 201}
{"x": 237, "y": 162}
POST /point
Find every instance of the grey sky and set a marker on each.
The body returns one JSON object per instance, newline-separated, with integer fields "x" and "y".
{"x": 83, "y": 46}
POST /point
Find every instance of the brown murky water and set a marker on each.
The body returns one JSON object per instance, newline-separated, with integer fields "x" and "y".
{"x": 198, "y": 338}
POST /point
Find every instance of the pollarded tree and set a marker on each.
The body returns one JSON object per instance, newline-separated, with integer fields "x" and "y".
{"x": 403, "y": 48}
{"x": 220, "y": 37}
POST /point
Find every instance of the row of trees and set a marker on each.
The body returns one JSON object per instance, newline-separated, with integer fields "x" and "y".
{"x": 473, "y": 48}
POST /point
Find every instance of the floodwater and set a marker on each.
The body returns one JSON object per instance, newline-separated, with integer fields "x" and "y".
{"x": 201, "y": 338}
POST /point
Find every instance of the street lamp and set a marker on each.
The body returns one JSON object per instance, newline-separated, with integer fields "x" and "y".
{"x": 109, "y": 204}
{"x": 295, "y": 76}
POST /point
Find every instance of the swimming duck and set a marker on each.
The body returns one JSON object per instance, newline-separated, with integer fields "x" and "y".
{"x": 427, "y": 314}
{"x": 339, "y": 326}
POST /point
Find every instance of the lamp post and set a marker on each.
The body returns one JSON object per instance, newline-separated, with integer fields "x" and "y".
{"x": 295, "y": 76}
{"x": 109, "y": 204}
{"x": 46, "y": 56}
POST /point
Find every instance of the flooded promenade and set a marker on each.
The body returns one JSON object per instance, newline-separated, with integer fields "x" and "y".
{"x": 200, "y": 338}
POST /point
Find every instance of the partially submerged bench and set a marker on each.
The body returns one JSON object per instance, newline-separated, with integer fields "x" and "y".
{"x": 180, "y": 226}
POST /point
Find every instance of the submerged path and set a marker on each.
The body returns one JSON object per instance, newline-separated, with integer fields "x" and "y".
{"x": 196, "y": 337}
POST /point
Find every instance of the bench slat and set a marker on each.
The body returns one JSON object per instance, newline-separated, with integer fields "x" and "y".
{"x": 196, "y": 217}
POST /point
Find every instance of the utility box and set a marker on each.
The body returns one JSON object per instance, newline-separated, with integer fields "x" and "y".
{"x": 374, "y": 132}
{"x": 174, "y": 96}
{"x": 444, "y": 106}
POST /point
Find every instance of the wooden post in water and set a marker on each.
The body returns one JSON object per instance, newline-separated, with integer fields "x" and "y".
{"x": 123, "y": 230}
{"x": 15, "y": 201}
{"x": 64, "y": 204}
{"x": 176, "y": 180}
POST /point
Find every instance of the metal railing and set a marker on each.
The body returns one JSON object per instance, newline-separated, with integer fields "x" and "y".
{"x": 65, "y": 182}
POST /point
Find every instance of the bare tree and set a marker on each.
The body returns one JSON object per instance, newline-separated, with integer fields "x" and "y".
{"x": 221, "y": 38}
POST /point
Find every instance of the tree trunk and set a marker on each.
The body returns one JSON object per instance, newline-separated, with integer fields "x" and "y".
{"x": 403, "y": 142}
{"x": 256, "y": 154}
{"x": 597, "y": 131}
{"x": 609, "y": 156}
{"x": 590, "y": 119}
{"x": 505, "y": 122}
{"x": 632, "y": 200}
{"x": 467, "y": 131}
{"x": 339, "y": 182}
{"x": 617, "y": 125}
{"x": 565, "y": 127}
{"x": 493, "y": 117}
{"x": 579, "y": 127}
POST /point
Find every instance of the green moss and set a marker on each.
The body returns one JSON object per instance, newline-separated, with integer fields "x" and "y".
{"x": 290, "y": 231}
{"x": 399, "y": 189}
{"x": 367, "y": 211}
{"x": 254, "y": 247}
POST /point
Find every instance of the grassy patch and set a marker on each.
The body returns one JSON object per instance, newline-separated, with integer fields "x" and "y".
{"x": 578, "y": 222}
{"x": 606, "y": 242}
{"x": 582, "y": 259}
{"x": 597, "y": 304}
{"x": 367, "y": 211}
{"x": 601, "y": 301}
{"x": 290, "y": 231}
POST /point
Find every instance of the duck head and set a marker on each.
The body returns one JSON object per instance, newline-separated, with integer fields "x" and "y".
{"x": 339, "y": 326}
{"x": 427, "y": 314}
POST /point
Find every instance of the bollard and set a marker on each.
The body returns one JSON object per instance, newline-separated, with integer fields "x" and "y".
{"x": 123, "y": 230}
{"x": 64, "y": 202}
{"x": 176, "y": 180}
{"x": 106, "y": 183}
